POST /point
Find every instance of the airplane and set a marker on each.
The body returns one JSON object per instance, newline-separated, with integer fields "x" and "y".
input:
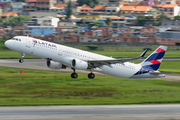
{"x": 60, "y": 57}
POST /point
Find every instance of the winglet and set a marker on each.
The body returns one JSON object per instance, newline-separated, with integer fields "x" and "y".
{"x": 143, "y": 54}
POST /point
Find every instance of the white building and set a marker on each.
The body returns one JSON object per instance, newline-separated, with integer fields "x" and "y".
{"x": 48, "y": 21}
{"x": 113, "y": 8}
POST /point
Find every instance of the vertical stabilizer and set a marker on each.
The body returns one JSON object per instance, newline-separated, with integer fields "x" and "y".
{"x": 153, "y": 61}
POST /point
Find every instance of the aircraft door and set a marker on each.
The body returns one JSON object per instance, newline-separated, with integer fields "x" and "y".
{"x": 28, "y": 42}
{"x": 60, "y": 50}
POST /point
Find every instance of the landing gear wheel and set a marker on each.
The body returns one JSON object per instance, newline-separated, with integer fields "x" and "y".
{"x": 74, "y": 75}
{"x": 91, "y": 75}
{"x": 21, "y": 60}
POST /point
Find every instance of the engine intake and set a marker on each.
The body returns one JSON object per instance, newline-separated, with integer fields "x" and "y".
{"x": 79, "y": 64}
{"x": 54, "y": 65}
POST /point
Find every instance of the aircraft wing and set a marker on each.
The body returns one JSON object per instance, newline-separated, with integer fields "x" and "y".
{"x": 99, "y": 63}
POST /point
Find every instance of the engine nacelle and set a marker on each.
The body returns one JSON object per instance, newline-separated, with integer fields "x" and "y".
{"x": 79, "y": 64}
{"x": 53, "y": 65}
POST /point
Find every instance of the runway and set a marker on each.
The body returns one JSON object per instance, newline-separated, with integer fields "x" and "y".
{"x": 99, "y": 112}
{"x": 40, "y": 64}
{"x": 32, "y": 64}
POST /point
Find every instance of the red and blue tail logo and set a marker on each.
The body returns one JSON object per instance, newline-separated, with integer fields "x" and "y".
{"x": 153, "y": 61}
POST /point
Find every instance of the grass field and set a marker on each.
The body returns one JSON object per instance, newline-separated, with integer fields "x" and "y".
{"x": 170, "y": 66}
{"x": 48, "y": 88}
{"x": 8, "y": 54}
{"x": 130, "y": 52}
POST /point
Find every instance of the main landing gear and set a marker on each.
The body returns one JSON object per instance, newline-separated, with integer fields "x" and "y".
{"x": 75, "y": 75}
{"x": 21, "y": 60}
{"x": 91, "y": 75}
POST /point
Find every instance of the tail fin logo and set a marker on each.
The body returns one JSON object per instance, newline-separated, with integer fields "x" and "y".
{"x": 160, "y": 50}
{"x": 153, "y": 61}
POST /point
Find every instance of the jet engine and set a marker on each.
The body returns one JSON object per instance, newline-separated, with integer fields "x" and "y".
{"x": 53, "y": 65}
{"x": 79, "y": 64}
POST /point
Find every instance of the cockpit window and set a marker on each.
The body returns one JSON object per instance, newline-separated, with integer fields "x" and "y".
{"x": 16, "y": 39}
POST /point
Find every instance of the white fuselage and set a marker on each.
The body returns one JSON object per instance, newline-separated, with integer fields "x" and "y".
{"x": 62, "y": 54}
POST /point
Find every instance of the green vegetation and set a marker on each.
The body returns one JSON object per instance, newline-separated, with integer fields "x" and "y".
{"x": 2, "y": 46}
{"x": 122, "y": 54}
{"x": 92, "y": 47}
{"x": 14, "y": 21}
{"x": 141, "y": 19}
{"x": 69, "y": 10}
{"x": 108, "y": 21}
{"x": 13, "y": 55}
{"x": 82, "y": 21}
{"x": 91, "y": 24}
{"x": 47, "y": 88}
{"x": 90, "y": 3}
{"x": 177, "y": 18}
{"x": 159, "y": 19}
{"x": 155, "y": 12}
{"x": 75, "y": 27}
{"x": 170, "y": 66}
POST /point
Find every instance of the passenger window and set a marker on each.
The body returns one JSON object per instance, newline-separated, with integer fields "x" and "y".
{"x": 20, "y": 40}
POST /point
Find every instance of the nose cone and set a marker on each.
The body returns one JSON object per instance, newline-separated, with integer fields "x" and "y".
{"x": 7, "y": 43}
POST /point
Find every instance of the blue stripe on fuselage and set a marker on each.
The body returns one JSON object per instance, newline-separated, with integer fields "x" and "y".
{"x": 146, "y": 69}
{"x": 142, "y": 71}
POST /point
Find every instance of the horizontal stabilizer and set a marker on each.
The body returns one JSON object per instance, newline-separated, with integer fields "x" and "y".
{"x": 155, "y": 72}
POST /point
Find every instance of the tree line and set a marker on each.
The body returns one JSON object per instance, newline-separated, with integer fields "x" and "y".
{"x": 90, "y": 3}
{"x": 14, "y": 21}
{"x": 142, "y": 19}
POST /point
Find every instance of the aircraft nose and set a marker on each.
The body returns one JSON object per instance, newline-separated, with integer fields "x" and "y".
{"x": 7, "y": 43}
